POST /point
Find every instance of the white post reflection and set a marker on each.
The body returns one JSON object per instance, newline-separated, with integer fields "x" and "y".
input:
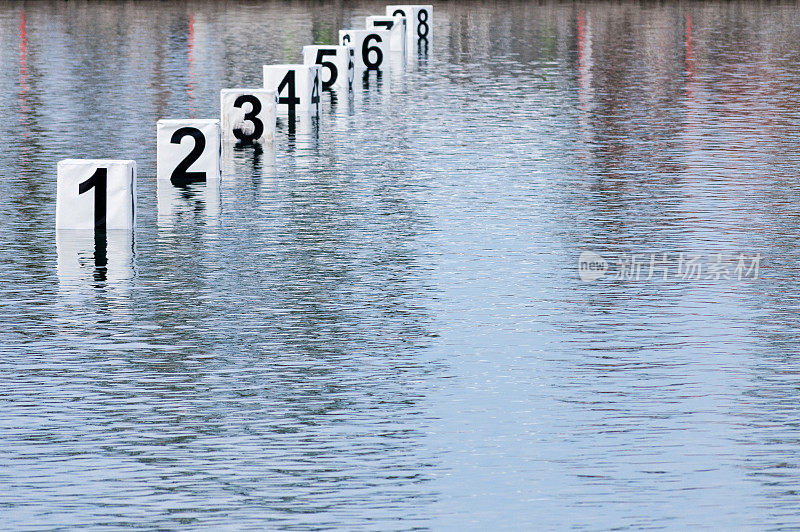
{"x": 252, "y": 160}
{"x": 372, "y": 86}
{"x": 95, "y": 270}
{"x": 177, "y": 205}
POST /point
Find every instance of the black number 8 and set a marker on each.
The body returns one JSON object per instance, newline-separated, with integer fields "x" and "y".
{"x": 252, "y": 116}
{"x": 423, "y": 23}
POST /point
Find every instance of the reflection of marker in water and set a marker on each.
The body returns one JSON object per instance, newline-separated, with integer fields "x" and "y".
{"x": 83, "y": 257}
{"x": 177, "y": 204}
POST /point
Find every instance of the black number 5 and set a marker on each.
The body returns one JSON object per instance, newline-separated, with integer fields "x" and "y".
{"x": 329, "y": 65}
{"x": 180, "y": 176}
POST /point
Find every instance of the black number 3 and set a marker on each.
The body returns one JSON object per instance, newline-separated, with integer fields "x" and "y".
{"x": 252, "y": 116}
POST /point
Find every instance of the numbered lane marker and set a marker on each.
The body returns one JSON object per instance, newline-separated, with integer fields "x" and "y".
{"x": 371, "y": 47}
{"x": 394, "y": 24}
{"x": 419, "y": 25}
{"x": 248, "y": 115}
{"x": 97, "y": 194}
{"x": 188, "y": 150}
{"x": 337, "y": 64}
{"x": 298, "y": 87}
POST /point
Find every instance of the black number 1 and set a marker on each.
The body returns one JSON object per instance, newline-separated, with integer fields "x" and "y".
{"x": 99, "y": 182}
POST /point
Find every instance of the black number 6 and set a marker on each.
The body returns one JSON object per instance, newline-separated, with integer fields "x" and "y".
{"x": 365, "y": 50}
{"x": 180, "y": 176}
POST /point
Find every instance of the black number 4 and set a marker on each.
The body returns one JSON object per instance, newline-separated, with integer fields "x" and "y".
{"x": 315, "y": 89}
{"x": 291, "y": 98}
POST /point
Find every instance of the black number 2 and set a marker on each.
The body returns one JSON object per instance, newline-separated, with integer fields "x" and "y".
{"x": 180, "y": 176}
{"x": 99, "y": 182}
{"x": 252, "y": 116}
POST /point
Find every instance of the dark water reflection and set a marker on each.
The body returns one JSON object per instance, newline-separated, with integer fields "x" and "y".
{"x": 378, "y": 322}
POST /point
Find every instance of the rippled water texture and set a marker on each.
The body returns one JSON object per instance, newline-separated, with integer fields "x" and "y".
{"x": 380, "y": 323}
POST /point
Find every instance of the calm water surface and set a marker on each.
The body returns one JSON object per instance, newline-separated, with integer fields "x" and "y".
{"x": 379, "y": 323}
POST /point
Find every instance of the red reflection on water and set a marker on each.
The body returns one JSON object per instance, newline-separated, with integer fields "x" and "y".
{"x": 24, "y": 89}
{"x": 692, "y": 134}
{"x": 689, "y": 56}
{"x": 23, "y": 69}
{"x": 190, "y": 56}
{"x": 584, "y": 77}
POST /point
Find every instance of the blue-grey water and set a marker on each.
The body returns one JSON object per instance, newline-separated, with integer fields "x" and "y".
{"x": 380, "y": 323}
